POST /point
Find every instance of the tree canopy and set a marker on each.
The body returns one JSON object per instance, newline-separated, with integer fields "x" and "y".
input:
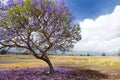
{"x": 42, "y": 25}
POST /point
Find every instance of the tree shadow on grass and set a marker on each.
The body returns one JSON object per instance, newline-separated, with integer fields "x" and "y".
{"x": 87, "y": 75}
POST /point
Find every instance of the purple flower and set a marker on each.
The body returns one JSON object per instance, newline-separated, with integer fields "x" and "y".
{"x": 1, "y": 28}
{"x": 3, "y": 7}
{"x": 59, "y": 6}
{"x": 10, "y": 3}
{"x": 31, "y": 21}
{"x": 33, "y": 2}
{"x": 48, "y": 8}
{"x": 11, "y": 32}
{"x": 13, "y": 22}
{"x": 1, "y": 36}
{"x": 26, "y": 26}
{"x": 4, "y": 15}
{"x": 39, "y": 3}
{"x": 21, "y": 2}
{"x": 57, "y": 10}
{"x": 48, "y": 28}
{"x": 33, "y": 27}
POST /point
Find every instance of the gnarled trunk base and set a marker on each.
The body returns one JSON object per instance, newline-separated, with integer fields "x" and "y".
{"x": 46, "y": 59}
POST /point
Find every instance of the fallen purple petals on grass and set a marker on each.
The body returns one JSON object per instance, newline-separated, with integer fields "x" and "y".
{"x": 60, "y": 74}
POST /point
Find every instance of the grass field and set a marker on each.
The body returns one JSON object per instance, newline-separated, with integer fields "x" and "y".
{"x": 24, "y": 61}
{"x": 109, "y": 65}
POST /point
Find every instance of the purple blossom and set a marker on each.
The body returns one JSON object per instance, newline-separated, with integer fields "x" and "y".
{"x": 64, "y": 14}
{"x": 38, "y": 2}
{"x": 59, "y": 6}
{"x": 13, "y": 21}
{"x": 1, "y": 36}
{"x": 47, "y": 0}
{"x": 33, "y": 2}
{"x": 48, "y": 28}
{"x": 26, "y": 26}
{"x": 21, "y": 2}
{"x": 4, "y": 15}
{"x": 57, "y": 10}
{"x": 31, "y": 21}
{"x": 59, "y": 3}
{"x": 10, "y": 3}
{"x": 33, "y": 27}
{"x": 60, "y": 74}
{"x": 1, "y": 29}
{"x": 11, "y": 32}
{"x": 48, "y": 8}
{"x": 3, "y": 7}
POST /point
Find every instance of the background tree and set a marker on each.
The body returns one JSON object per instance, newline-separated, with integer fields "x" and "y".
{"x": 119, "y": 52}
{"x": 103, "y": 54}
{"x": 88, "y": 54}
{"x": 42, "y": 25}
{"x": 4, "y": 50}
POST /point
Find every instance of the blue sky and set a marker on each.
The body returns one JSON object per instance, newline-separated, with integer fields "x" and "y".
{"x": 82, "y": 9}
{"x": 99, "y": 23}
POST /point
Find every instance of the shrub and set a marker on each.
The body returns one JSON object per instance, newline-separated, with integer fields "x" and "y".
{"x": 3, "y": 52}
{"x": 103, "y": 54}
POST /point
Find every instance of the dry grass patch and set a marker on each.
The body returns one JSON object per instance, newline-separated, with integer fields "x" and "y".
{"x": 22, "y": 61}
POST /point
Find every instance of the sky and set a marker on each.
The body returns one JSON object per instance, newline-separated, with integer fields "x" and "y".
{"x": 82, "y": 9}
{"x": 99, "y": 23}
{"x": 100, "y": 26}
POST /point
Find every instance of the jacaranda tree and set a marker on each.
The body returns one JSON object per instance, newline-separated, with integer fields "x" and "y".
{"x": 39, "y": 26}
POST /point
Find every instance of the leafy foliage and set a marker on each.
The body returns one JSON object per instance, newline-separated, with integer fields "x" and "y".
{"x": 38, "y": 25}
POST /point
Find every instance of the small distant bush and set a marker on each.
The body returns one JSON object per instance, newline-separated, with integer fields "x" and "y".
{"x": 88, "y": 54}
{"x": 71, "y": 54}
{"x": 103, "y": 54}
{"x": 2, "y": 52}
{"x": 25, "y": 54}
{"x": 82, "y": 55}
{"x": 119, "y": 54}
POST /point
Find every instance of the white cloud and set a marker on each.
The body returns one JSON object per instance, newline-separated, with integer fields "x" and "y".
{"x": 101, "y": 34}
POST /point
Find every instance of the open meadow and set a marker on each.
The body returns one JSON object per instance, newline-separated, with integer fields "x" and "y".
{"x": 107, "y": 66}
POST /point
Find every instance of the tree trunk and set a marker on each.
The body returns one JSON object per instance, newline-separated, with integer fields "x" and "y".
{"x": 46, "y": 59}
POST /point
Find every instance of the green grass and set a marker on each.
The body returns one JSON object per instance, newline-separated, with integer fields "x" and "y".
{"x": 25, "y": 61}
